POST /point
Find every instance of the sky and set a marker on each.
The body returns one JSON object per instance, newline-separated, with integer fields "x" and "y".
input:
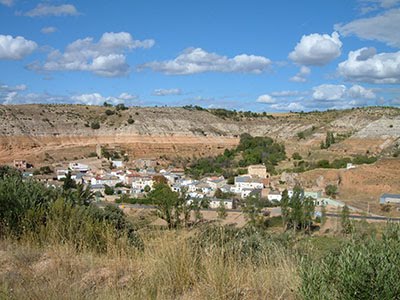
{"x": 257, "y": 55}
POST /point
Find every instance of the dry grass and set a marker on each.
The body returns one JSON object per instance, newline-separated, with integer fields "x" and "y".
{"x": 168, "y": 268}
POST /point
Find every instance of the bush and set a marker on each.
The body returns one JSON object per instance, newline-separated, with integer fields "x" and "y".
{"x": 95, "y": 125}
{"x": 109, "y": 112}
{"x": 358, "y": 270}
{"x": 297, "y": 156}
{"x": 131, "y": 121}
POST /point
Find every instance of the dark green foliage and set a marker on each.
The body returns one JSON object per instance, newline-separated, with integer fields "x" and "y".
{"x": 239, "y": 243}
{"x": 131, "y": 121}
{"x": 297, "y": 211}
{"x": 28, "y": 208}
{"x": 323, "y": 163}
{"x": 367, "y": 269}
{"x": 105, "y": 104}
{"x": 331, "y": 190}
{"x": 69, "y": 183}
{"x": 109, "y": 112}
{"x": 297, "y": 156}
{"x": 170, "y": 205}
{"x": 95, "y": 125}
{"x": 45, "y": 170}
{"x": 121, "y": 106}
{"x": 108, "y": 190}
{"x": 347, "y": 226}
{"x": 363, "y": 159}
{"x": 252, "y": 211}
{"x": 221, "y": 210}
{"x": 301, "y": 135}
{"x": 329, "y": 140}
{"x": 251, "y": 150}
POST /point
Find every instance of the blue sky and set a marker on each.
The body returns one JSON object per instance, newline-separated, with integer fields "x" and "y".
{"x": 246, "y": 55}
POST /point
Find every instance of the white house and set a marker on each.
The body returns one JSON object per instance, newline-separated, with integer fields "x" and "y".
{"x": 117, "y": 163}
{"x": 246, "y": 182}
{"x": 215, "y": 203}
{"x": 79, "y": 167}
{"x": 109, "y": 180}
{"x": 139, "y": 183}
{"x": 274, "y": 196}
{"x": 61, "y": 174}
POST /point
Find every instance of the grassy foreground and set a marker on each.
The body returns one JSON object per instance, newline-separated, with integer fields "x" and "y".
{"x": 173, "y": 264}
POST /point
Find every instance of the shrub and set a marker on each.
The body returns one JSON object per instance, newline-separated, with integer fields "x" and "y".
{"x": 131, "y": 121}
{"x": 358, "y": 270}
{"x": 297, "y": 156}
{"x": 109, "y": 112}
{"x": 95, "y": 125}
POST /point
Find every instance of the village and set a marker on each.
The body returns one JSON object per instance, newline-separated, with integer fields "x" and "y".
{"x": 114, "y": 179}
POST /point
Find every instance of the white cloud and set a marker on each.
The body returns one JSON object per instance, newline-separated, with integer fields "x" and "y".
{"x": 47, "y": 30}
{"x": 8, "y": 94}
{"x": 127, "y": 96}
{"x": 357, "y": 91}
{"x": 44, "y": 9}
{"x": 167, "y": 92}
{"x": 316, "y": 49}
{"x": 98, "y": 99}
{"x": 292, "y": 106}
{"x": 332, "y": 92}
{"x": 266, "y": 99}
{"x": 104, "y": 58}
{"x": 288, "y": 93}
{"x": 301, "y": 76}
{"x": 364, "y": 65}
{"x": 15, "y": 48}
{"x": 7, "y": 2}
{"x": 197, "y": 60}
{"x": 329, "y": 92}
{"x": 383, "y": 27}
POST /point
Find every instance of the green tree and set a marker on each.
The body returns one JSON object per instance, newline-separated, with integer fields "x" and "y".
{"x": 170, "y": 205}
{"x": 331, "y": 190}
{"x": 69, "y": 183}
{"x": 347, "y": 226}
{"x": 296, "y": 205}
{"x": 323, "y": 215}
{"x": 108, "y": 190}
{"x": 221, "y": 210}
{"x": 252, "y": 211}
{"x": 285, "y": 209}
{"x": 309, "y": 210}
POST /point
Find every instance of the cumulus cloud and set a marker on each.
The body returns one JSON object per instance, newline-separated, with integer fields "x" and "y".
{"x": 288, "y": 93}
{"x": 316, "y": 49}
{"x": 15, "y": 48}
{"x": 364, "y": 65}
{"x": 266, "y": 99}
{"x": 332, "y": 92}
{"x": 98, "y": 99}
{"x": 383, "y": 27}
{"x": 292, "y": 106}
{"x": 357, "y": 91}
{"x": 7, "y": 2}
{"x": 8, "y": 94}
{"x": 105, "y": 58}
{"x": 301, "y": 76}
{"x": 167, "y": 92}
{"x": 47, "y": 30}
{"x": 197, "y": 60}
{"x": 45, "y": 9}
{"x": 329, "y": 92}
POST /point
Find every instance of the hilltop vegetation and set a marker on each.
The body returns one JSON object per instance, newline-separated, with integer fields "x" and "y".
{"x": 250, "y": 151}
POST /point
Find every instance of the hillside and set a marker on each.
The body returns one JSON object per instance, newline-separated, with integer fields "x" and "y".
{"x": 30, "y": 131}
